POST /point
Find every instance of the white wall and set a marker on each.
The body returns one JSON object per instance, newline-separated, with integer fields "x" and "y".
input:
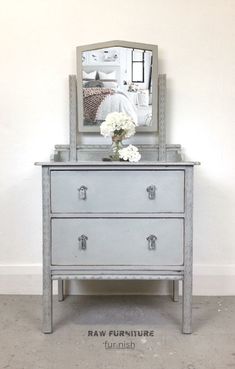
{"x": 196, "y": 50}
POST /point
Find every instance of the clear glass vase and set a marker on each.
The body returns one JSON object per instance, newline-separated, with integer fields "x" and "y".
{"x": 116, "y": 146}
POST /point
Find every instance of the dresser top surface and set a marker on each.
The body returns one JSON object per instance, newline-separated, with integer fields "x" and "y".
{"x": 116, "y": 164}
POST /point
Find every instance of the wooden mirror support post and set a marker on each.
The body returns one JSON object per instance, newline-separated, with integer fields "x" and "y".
{"x": 73, "y": 118}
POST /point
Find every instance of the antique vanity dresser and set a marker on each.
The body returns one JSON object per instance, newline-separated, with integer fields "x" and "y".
{"x": 117, "y": 220}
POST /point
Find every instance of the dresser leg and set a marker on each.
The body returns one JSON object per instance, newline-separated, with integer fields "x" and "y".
{"x": 47, "y": 304}
{"x": 60, "y": 290}
{"x": 188, "y": 253}
{"x": 175, "y": 291}
{"x": 47, "y": 280}
{"x": 187, "y": 306}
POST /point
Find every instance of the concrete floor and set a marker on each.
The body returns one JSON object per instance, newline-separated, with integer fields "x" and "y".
{"x": 23, "y": 346}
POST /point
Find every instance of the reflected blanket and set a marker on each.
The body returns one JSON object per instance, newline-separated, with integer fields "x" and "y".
{"x": 92, "y": 98}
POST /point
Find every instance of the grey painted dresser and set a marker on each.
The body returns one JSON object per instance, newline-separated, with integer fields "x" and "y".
{"x": 117, "y": 221}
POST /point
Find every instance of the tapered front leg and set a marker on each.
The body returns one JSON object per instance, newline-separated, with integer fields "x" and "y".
{"x": 175, "y": 295}
{"x": 60, "y": 290}
{"x": 47, "y": 280}
{"x": 47, "y": 303}
{"x": 188, "y": 253}
{"x": 187, "y": 305}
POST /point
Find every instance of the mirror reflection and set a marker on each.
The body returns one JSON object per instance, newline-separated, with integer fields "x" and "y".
{"x": 117, "y": 79}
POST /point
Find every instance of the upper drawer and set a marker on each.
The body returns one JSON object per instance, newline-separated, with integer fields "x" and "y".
{"x": 117, "y": 191}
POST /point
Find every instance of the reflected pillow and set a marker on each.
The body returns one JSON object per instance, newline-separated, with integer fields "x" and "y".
{"x": 110, "y": 84}
{"x": 89, "y": 76}
{"x": 111, "y": 75}
{"x": 90, "y": 84}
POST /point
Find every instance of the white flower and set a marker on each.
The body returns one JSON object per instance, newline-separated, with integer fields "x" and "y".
{"x": 116, "y": 122}
{"x": 130, "y": 153}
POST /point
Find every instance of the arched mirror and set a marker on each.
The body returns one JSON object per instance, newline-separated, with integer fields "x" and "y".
{"x": 117, "y": 76}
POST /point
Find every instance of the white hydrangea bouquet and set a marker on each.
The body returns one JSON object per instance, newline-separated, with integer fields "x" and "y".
{"x": 130, "y": 153}
{"x": 120, "y": 126}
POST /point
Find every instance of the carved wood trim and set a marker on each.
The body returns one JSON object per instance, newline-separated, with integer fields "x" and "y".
{"x": 73, "y": 117}
{"x": 161, "y": 116}
{"x": 117, "y": 277}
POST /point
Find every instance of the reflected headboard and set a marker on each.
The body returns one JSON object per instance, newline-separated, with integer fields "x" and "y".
{"x": 105, "y": 69}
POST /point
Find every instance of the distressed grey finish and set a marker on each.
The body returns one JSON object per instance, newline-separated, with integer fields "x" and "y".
{"x": 160, "y": 269}
{"x": 107, "y": 241}
{"x": 73, "y": 117}
{"x": 117, "y": 220}
{"x": 113, "y": 191}
{"x": 125, "y": 165}
{"x": 161, "y": 116}
{"x": 188, "y": 254}
{"x": 118, "y": 277}
{"x": 149, "y": 153}
{"x": 175, "y": 291}
{"x": 60, "y": 290}
{"x": 116, "y": 245}
{"x": 47, "y": 281}
{"x": 118, "y": 43}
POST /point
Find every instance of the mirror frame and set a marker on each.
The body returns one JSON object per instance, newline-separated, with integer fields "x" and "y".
{"x": 133, "y": 45}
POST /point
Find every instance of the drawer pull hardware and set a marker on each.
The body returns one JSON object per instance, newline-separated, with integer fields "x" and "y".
{"x": 82, "y": 192}
{"x": 151, "y": 192}
{"x": 152, "y": 242}
{"x": 82, "y": 242}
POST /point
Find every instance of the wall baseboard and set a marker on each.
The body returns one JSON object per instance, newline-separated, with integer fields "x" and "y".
{"x": 208, "y": 280}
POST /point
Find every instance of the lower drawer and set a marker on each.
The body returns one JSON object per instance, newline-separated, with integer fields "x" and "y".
{"x": 117, "y": 241}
